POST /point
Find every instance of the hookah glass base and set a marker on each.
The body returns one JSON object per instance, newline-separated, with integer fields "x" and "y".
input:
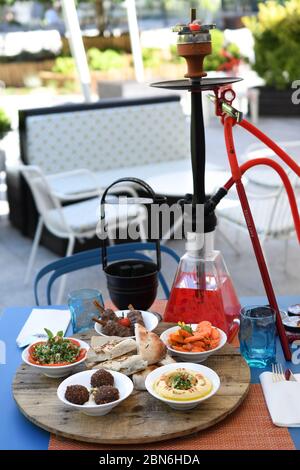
{"x": 216, "y": 303}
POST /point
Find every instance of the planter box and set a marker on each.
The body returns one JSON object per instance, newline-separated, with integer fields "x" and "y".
{"x": 14, "y": 74}
{"x": 277, "y": 103}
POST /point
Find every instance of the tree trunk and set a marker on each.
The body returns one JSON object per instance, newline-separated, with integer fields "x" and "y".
{"x": 100, "y": 16}
{"x": 164, "y": 12}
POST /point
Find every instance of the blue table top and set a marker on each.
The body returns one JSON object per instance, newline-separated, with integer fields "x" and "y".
{"x": 16, "y": 432}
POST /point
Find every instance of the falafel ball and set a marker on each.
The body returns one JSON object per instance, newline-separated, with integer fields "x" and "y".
{"x": 102, "y": 377}
{"x": 106, "y": 394}
{"x": 77, "y": 394}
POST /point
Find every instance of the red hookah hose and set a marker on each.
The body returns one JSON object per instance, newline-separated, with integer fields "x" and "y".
{"x": 285, "y": 180}
{"x": 270, "y": 143}
{"x": 237, "y": 174}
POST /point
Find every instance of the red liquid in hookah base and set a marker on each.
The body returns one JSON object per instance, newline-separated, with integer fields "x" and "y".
{"x": 218, "y": 305}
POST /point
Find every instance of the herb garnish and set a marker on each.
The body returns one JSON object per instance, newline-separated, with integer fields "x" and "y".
{"x": 55, "y": 350}
{"x": 185, "y": 327}
{"x": 182, "y": 381}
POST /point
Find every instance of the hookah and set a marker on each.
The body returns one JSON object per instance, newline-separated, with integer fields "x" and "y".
{"x": 202, "y": 289}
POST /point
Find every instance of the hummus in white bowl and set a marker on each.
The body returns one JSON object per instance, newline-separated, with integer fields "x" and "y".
{"x": 202, "y": 381}
{"x": 182, "y": 385}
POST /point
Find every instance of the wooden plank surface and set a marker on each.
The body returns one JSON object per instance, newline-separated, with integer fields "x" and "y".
{"x": 140, "y": 418}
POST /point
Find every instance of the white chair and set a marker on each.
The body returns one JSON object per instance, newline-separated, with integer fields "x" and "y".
{"x": 271, "y": 212}
{"x": 265, "y": 176}
{"x": 78, "y": 220}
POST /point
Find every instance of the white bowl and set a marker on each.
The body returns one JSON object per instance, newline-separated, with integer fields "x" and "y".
{"x": 191, "y": 356}
{"x": 182, "y": 405}
{"x": 150, "y": 320}
{"x": 122, "y": 383}
{"x": 56, "y": 371}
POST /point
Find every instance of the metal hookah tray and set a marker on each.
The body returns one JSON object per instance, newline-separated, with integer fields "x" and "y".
{"x": 205, "y": 83}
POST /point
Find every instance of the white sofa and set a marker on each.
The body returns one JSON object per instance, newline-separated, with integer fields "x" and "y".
{"x": 141, "y": 137}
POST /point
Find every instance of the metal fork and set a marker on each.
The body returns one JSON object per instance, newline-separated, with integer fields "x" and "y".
{"x": 277, "y": 373}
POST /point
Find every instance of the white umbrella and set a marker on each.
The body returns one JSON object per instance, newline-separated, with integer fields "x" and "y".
{"x": 77, "y": 47}
{"x": 135, "y": 40}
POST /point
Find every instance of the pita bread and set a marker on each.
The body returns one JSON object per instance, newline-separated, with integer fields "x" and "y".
{"x": 166, "y": 360}
{"x": 104, "y": 349}
{"x": 139, "y": 377}
{"x": 149, "y": 345}
{"x": 127, "y": 365}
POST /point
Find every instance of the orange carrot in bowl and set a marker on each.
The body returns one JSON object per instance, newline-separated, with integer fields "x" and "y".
{"x": 185, "y": 333}
{"x": 178, "y": 348}
{"x": 192, "y": 339}
{"x": 176, "y": 338}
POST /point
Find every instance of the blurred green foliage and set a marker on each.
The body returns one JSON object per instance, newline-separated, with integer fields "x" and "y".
{"x": 109, "y": 59}
{"x": 152, "y": 57}
{"x": 276, "y": 31}
{"x": 5, "y": 124}
{"x": 98, "y": 60}
{"x": 64, "y": 65}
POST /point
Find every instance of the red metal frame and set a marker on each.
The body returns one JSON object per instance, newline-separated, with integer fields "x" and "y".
{"x": 237, "y": 171}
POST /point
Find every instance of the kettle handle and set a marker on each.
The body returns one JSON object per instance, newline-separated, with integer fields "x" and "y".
{"x": 153, "y": 196}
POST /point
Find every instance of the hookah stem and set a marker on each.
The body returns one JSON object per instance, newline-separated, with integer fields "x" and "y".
{"x": 236, "y": 173}
{"x": 198, "y": 147}
{"x": 198, "y": 167}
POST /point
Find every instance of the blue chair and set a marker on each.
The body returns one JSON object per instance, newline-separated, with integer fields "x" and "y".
{"x": 94, "y": 257}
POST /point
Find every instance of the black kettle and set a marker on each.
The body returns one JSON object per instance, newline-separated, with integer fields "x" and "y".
{"x": 132, "y": 281}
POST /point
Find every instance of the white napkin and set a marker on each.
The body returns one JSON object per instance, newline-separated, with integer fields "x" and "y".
{"x": 283, "y": 400}
{"x": 53, "y": 319}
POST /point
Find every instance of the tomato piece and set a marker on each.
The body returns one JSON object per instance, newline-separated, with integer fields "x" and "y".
{"x": 124, "y": 322}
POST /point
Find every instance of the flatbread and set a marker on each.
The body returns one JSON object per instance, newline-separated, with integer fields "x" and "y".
{"x": 139, "y": 377}
{"x": 166, "y": 360}
{"x": 127, "y": 365}
{"x": 149, "y": 345}
{"x": 104, "y": 349}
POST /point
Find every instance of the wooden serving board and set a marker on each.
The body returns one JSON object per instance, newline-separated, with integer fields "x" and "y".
{"x": 140, "y": 418}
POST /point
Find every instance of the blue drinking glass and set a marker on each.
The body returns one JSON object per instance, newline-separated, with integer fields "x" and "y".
{"x": 258, "y": 335}
{"x": 83, "y": 309}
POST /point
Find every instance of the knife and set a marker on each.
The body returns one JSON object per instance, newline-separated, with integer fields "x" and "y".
{"x": 289, "y": 376}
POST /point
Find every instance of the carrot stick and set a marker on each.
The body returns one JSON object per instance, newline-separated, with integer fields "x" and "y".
{"x": 176, "y": 338}
{"x": 194, "y": 338}
{"x": 179, "y": 348}
{"x": 185, "y": 333}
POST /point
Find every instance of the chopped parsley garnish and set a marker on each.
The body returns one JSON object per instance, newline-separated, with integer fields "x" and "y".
{"x": 55, "y": 350}
{"x": 182, "y": 381}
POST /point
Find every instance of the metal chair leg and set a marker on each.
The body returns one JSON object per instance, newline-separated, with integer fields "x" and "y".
{"x": 62, "y": 283}
{"x": 286, "y": 254}
{"x": 233, "y": 246}
{"x": 35, "y": 244}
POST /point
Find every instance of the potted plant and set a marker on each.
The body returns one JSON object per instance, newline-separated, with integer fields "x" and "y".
{"x": 5, "y": 127}
{"x": 224, "y": 57}
{"x": 5, "y": 124}
{"x": 276, "y": 32}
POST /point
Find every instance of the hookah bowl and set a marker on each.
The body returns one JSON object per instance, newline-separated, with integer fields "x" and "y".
{"x": 194, "y": 43}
